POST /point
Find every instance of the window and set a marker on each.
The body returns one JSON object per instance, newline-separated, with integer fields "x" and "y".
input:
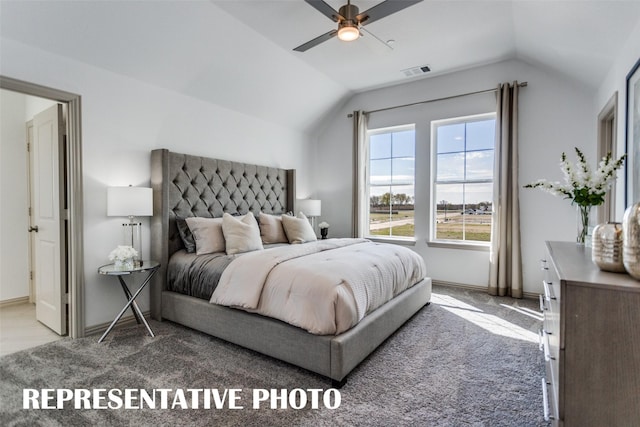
{"x": 391, "y": 182}
{"x": 462, "y": 178}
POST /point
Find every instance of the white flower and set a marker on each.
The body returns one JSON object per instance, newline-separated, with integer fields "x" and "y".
{"x": 581, "y": 185}
{"x": 323, "y": 225}
{"x": 122, "y": 253}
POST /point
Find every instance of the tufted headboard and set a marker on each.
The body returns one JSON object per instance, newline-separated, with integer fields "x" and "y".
{"x": 185, "y": 185}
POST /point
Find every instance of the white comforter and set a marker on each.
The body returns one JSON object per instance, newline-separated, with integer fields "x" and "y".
{"x": 325, "y": 287}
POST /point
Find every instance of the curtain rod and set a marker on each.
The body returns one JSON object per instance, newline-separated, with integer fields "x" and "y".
{"x": 523, "y": 84}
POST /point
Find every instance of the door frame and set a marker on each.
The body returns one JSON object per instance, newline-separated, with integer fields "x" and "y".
{"x": 607, "y": 136}
{"x": 73, "y": 175}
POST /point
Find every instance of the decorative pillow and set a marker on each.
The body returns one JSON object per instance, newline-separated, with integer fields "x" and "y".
{"x": 241, "y": 234}
{"x": 185, "y": 235}
{"x": 271, "y": 229}
{"x": 298, "y": 229}
{"x": 207, "y": 234}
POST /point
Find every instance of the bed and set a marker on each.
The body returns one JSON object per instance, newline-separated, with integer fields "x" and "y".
{"x": 192, "y": 186}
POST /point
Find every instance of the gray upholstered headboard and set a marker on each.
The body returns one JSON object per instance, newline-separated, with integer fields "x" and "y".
{"x": 186, "y": 185}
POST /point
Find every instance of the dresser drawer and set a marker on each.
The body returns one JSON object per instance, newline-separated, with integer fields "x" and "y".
{"x": 551, "y": 384}
{"x": 550, "y": 281}
{"x": 550, "y": 339}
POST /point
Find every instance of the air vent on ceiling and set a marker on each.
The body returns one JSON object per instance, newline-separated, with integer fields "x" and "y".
{"x": 416, "y": 71}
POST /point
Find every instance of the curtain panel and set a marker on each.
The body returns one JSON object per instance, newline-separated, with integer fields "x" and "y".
{"x": 505, "y": 271}
{"x": 360, "y": 156}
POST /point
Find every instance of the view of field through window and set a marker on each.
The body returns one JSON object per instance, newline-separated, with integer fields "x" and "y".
{"x": 392, "y": 182}
{"x": 463, "y": 184}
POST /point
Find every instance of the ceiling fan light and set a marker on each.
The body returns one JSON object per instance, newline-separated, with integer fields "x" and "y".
{"x": 348, "y": 33}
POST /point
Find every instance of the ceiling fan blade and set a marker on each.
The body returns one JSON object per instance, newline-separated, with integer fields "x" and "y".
{"x": 383, "y": 9}
{"x": 312, "y": 43}
{"x": 377, "y": 38}
{"x": 326, "y": 10}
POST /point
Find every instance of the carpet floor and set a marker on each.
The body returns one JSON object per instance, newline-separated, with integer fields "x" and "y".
{"x": 467, "y": 359}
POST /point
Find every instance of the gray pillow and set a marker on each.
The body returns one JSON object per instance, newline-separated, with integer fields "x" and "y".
{"x": 185, "y": 235}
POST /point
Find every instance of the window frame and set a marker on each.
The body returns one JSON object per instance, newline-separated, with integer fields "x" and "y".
{"x": 384, "y": 130}
{"x": 432, "y": 240}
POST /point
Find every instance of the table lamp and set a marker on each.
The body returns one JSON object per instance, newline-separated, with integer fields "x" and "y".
{"x": 131, "y": 202}
{"x": 312, "y": 208}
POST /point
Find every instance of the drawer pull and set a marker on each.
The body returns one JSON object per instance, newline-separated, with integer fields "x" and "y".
{"x": 543, "y": 264}
{"x": 540, "y": 338}
{"x": 547, "y": 290}
{"x": 543, "y": 306}
{"x": 545, "y": 340}
{"x": 545, "y": 401}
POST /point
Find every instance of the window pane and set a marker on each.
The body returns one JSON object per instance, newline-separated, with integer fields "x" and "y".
{"x": 481, "y": 135}
{"x": 450, "y": 167}
{"x": 479, "y": 164}
{"x": 463, "y": 209}
{"x": 478, "y": 207}
{"x": 403, "y": 195}
{"x": 380, "y": 172}
{"x": 450, "y": 138}
{"x": 478, "y": 193}
{"x": 404, "y": 144}
{"x": 403, "y": 170}
{"x": 379, "y": 196}
{"x": 380, "y": 146}
{"x": 449, "y": 206}
{"x": 391, "y": 211}
{"x": 392, "y": 161}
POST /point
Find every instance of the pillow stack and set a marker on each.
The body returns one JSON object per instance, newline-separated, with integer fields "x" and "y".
{"x": 240, "y": 234}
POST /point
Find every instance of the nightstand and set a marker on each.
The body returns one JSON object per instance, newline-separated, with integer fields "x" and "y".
{"x": 148, "y": 267}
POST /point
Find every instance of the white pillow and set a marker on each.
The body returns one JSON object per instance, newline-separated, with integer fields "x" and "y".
{"x": 271, "y": 229}
{"x": 241, "y": 234}
{"x": 298, "y": 229}
{"x": 207, "y": 233}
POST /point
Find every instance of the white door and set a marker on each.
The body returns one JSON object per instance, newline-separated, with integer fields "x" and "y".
{"x": 49, "y": 219}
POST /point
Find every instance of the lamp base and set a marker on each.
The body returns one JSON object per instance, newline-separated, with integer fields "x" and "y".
{"x": 133, "y": 237}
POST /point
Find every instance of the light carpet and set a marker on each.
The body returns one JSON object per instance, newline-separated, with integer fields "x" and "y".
{"x": 468, "y": 359}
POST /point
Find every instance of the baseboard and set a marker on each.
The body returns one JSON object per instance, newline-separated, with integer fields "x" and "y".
{"x": 124, "y": 321}
{"x": 528, "y": 295}
{"x": 14, "y": 301}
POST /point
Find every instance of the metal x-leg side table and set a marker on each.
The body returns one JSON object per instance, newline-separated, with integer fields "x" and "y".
{"x": 110, "y": 270}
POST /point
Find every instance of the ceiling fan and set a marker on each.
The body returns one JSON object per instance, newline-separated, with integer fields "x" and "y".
{"x": 350, "y": 20}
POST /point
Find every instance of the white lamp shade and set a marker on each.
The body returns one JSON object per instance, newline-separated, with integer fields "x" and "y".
{"x": 310, "y": 207}
{"x": 129, "y": 201}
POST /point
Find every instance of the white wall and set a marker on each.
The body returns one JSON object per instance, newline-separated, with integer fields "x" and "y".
{"x": 555, "y": 116}
{"x": 616, "y": 81}
{"x": 14, "y": 243}
{"x": 122, "y": 121}
{"x": 15, "y": 111}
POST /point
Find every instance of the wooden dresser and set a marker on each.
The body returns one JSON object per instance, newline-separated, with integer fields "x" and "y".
{"x": 591, "y": 341}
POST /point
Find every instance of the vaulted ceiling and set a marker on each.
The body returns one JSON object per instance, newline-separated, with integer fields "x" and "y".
{"x": 239, "y": 54}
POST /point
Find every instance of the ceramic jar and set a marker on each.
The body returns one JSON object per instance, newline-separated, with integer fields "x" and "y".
{"x": 631, "y": 240}
{"x": 606, "y": 251}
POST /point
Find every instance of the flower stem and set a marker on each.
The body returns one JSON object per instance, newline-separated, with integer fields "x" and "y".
{"x": 584, "y": 222}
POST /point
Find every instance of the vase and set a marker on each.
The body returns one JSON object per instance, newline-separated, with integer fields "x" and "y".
{"x": 585, "y": 221}
{"x": 606, "y": 251}
{"x": 124, "y": 264}
{"x": 324, "y": 232}
{"x": 631, "y": 240}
